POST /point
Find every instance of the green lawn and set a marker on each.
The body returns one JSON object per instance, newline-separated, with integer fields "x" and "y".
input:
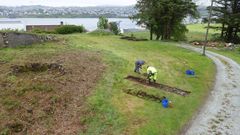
{"x": 141, "y": 34}
{"x": 197, "y": 32}
{"x": 235, "y": 54}
{"x": 119, "y": 113}
{"x": 110, "y": 110}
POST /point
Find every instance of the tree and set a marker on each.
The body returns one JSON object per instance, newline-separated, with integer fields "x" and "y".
{"x": 164, "y": 17}
{"x": 227, "y": 13}
{"x": 113, "y": 26}
{"x": 102, "y": 23}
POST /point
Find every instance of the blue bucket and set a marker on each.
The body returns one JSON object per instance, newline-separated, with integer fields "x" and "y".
{"x": 190, "y": 72}
{"x": 165, "y": 103}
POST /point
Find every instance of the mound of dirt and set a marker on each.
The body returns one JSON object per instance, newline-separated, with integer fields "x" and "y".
{"x": 35, "y": 101}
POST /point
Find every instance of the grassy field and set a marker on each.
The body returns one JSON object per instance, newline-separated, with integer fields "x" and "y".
{"x": 197, "y": 32}
{"x": 121, "y": 113}
{"x": 109, "y": 110}
{"x": 233, "y": 54}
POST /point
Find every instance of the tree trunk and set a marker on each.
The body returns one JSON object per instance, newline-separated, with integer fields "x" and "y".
{"x": 165, "y": 32}
{"x": 224, "y": 16}
{"x": 151, "y": 32}
{"x": 223, "y": 27}
{"x": 229, "y": 34}
{"x": 168, "y": 32}
{"x": 158, "y": 36}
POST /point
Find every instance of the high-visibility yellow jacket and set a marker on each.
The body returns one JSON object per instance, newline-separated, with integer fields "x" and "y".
{"x": 152, "y": 70}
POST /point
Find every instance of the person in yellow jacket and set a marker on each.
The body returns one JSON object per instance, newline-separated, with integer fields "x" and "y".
{"x": 152, "y": 74}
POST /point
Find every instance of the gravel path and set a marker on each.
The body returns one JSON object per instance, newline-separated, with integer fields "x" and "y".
{"x": 221, "y": 113}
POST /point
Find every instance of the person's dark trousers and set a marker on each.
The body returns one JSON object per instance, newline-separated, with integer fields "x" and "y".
{"x": 137, "y": 68}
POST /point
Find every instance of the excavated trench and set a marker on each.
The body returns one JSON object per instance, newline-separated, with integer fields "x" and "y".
{"x": 159, "y": 86}
{"x": 143, "y": 95}
{"x": 38, "y": 67}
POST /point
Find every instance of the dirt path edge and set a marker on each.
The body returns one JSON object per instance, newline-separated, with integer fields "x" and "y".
{"x": 220, "y": 113}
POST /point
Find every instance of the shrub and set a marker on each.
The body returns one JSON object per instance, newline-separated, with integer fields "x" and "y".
{"x": 179, "y": 32}
{"x": 101, "y": 32}
{"x": 102, "y": 23}
{"x": 38, "y": 31}
{"x": 113, "y": 26}
{"x": 69, "y": 29}
{"x": 216, "y": 37}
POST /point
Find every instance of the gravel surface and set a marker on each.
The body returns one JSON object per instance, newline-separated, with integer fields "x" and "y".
{"x": 221, "y": 113}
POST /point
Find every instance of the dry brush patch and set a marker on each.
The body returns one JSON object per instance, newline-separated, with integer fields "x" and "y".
{"x": 48, "y": 95}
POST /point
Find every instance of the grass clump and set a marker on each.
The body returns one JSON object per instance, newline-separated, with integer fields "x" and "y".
{"x": 10, "y": 103}
{"x": 34, "y": 87}
{"x": 5, "y": 131}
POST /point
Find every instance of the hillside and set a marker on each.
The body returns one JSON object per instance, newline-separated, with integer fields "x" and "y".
{"x": 66, "y": 12}
{"x": 90, "y": 96}
{"x": 73, "y": 12}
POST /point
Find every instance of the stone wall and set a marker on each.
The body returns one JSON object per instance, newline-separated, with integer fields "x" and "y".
{"x": 13, "y": 39}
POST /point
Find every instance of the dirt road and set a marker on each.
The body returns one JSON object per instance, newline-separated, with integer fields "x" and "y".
{"x": 221, "y": 113}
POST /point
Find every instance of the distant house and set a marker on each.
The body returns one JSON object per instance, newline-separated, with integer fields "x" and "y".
{"x": 30, "y": 28}
{"x": 12, "y": 25}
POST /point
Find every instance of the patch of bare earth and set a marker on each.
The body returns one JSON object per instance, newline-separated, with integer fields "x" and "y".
{"x": 51, "y": 100}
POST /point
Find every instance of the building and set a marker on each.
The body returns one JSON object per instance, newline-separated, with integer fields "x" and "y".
{"x": 30, "y": 28}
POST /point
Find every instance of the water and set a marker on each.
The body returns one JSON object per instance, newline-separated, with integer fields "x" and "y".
{"x": 89, "y": 23}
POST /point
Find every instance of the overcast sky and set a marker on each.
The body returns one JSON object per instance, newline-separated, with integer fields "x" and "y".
{"x": 81, "y": 3}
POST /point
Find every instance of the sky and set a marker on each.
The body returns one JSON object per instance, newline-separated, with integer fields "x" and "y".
{"x": 81, "y": 3}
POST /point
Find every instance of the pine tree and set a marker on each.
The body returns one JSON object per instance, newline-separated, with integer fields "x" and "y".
{"x": 227, "y": 13}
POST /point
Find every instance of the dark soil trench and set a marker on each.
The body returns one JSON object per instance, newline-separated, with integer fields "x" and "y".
{"x": 159, "y": 86}
{"x": 144, "y": 95}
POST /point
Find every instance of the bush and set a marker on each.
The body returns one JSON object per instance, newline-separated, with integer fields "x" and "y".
{"x": 179, "y": 32}
{"x": 113, "y": 26}
{"x": 102, "y": 23}
{"x": 101, "y": 32}
{"x": 69, "y": 29}
{"x": 216, "y": 37}
{"x": 38, "y": 31}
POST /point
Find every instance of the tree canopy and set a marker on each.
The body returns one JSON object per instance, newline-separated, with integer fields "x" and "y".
{"x": 227, "y": 13}
{"x": 164, "y": 18}
{"x": 102, "y": 23}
